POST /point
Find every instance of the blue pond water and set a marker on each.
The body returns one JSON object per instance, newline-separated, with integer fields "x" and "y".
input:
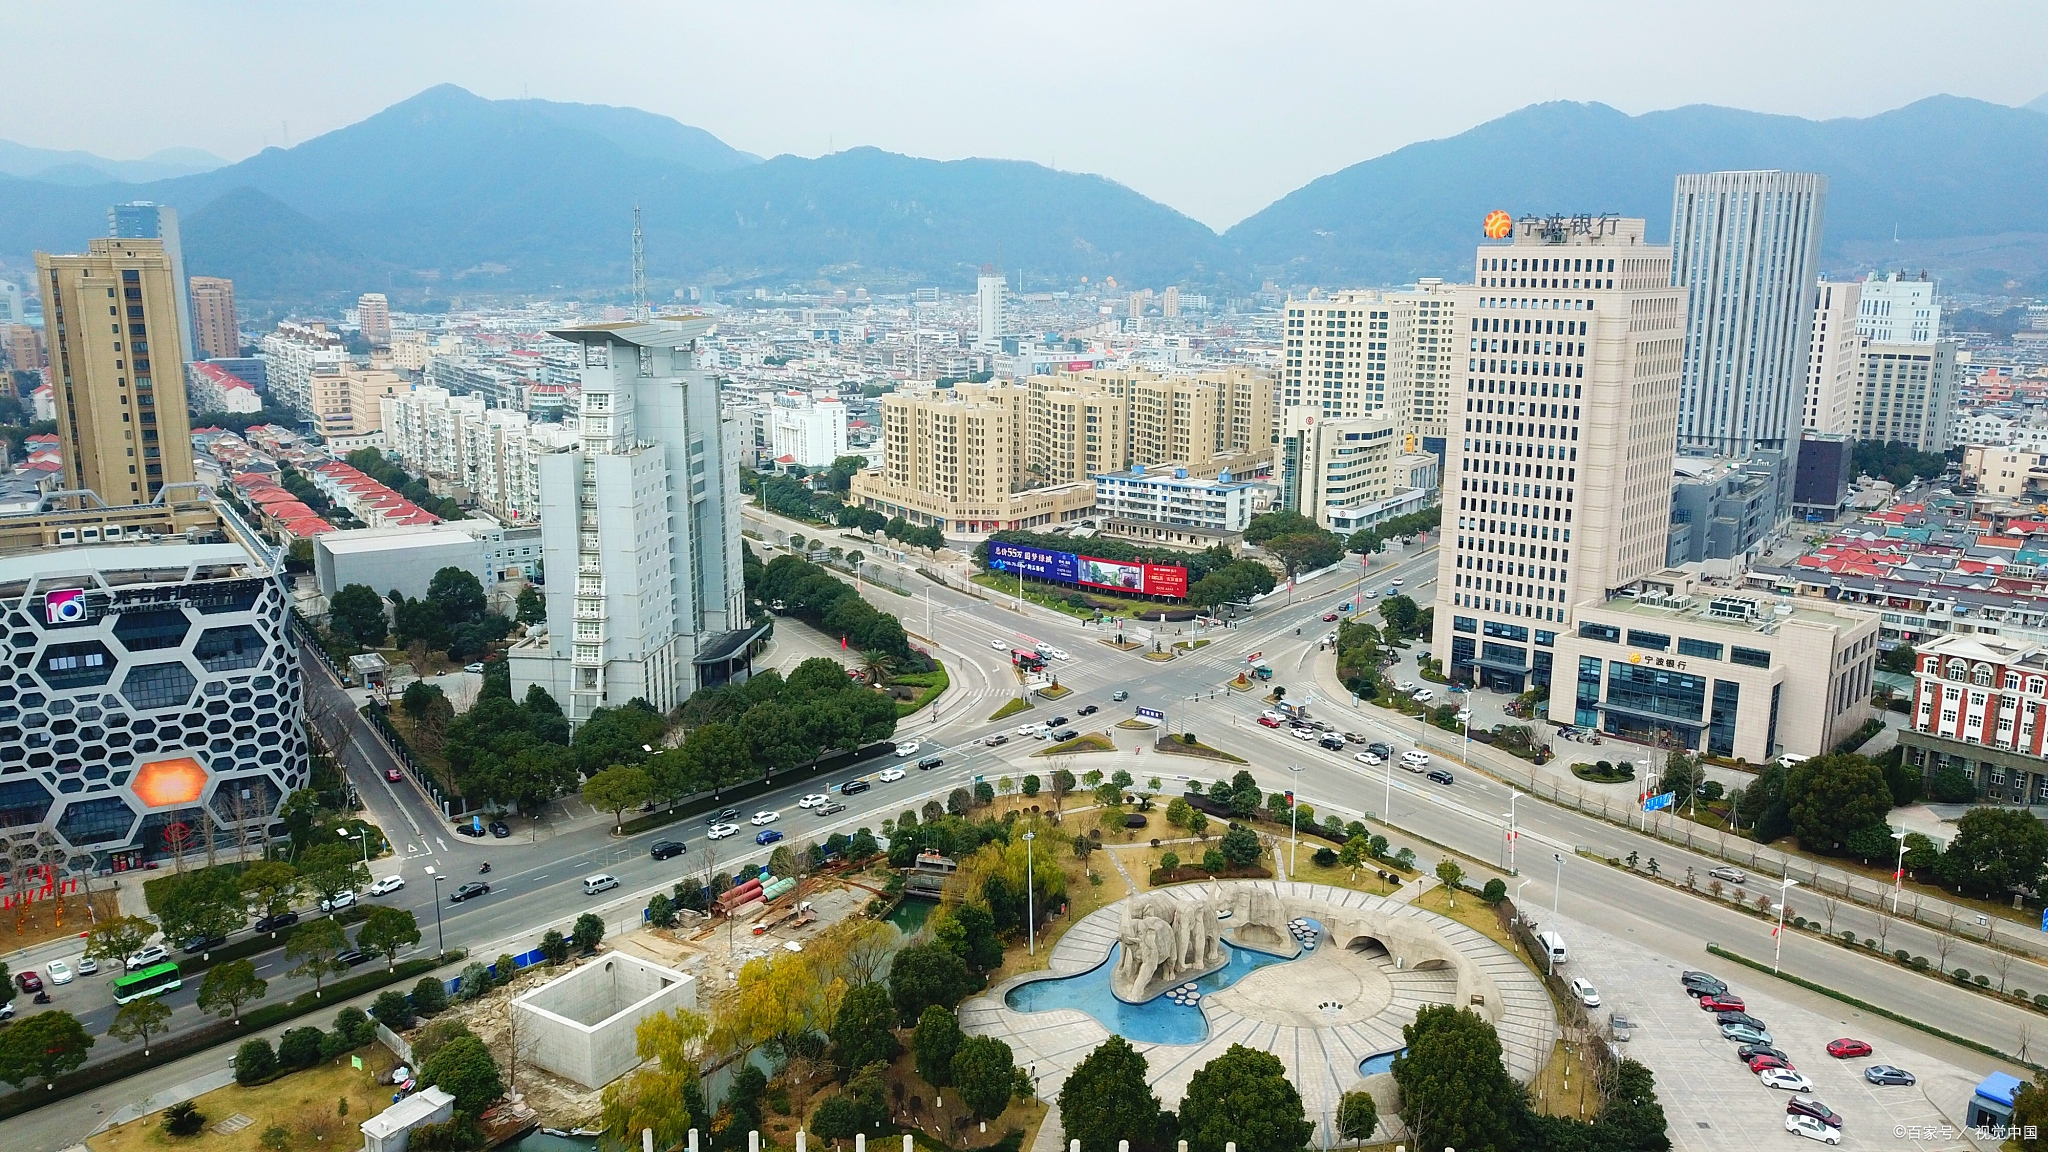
{"x": 1374, "y": 1065}
{"x": 1156, "y": 1021}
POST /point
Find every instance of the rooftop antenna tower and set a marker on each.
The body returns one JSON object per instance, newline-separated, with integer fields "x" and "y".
{"x": 640, "y": 311}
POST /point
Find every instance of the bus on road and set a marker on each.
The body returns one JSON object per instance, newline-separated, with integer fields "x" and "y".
{"x": 151, "y": 981}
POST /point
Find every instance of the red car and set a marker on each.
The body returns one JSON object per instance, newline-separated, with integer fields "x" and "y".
{"x": 29, "y": 982}
{"x": 1269, "y": 722}
{"x": 1725, "y": 1002}
{"x": 1329, "y": 616}
{"x": 1846, "y": 1048}
{"x": 1759, "y": 1063}
{"x": 393, "y": 775}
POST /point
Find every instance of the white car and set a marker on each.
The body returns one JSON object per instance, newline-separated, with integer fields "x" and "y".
{"x": 890, "y": 775}
{"x": 1812, "y": 1129}
{"x": 1026, "y": 729}
{"x": 154, "y": 954}
{"x": 721, "y": 831}
{"x": 1275, "y": 717}
{"x": 1368, "y": 759}
{"x": 338, "y": 901}
{"x": 60, "y": 972}
{"x": 1303, "y": 733}
{"x": 814, "y": 800}
{"x": 473, "y": 669}
{"x": 909, "y": 749}
{"x": 1785, "y": 1078}
{"x": 998, "y": 645}
{"x": 1424, "y": 696}
{"x": 1059, "y": 654}
{"x": 87, "y": 966}
{"x": 768, "y": 817}
{"x": 387, "y": 885}
{"x": 1405, "y": 686}
{"x": 1415, "y": 760}
{"x": 1464, "y": 715}
{"x": 1584, "y": 992}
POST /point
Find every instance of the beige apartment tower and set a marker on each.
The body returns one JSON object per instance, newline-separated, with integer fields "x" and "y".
{"x": 215, "y": 327}
{"x": 373, "y": 317}
{"x": 116, "y": 370}
{"x": 1835, "y": 359}
{"x": 1557, "y": 477}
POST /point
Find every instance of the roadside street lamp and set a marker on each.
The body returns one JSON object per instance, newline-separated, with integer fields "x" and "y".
{"x": 1558, "y": 885}
{"x": 1030, "y": 907}
{"x": 364, "y": 836}
{"x": 1293, "y": 806}
{"x": 440, "y": 941}
{"x": 1898, "y": 872}
{"x": 1778, "y": 935}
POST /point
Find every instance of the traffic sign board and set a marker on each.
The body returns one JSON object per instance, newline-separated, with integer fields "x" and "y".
{"x": 1152, "y": 713}
{"x": 1661, "y": 800}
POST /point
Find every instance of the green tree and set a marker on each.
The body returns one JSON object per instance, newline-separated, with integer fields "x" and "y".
{"x": 554, "y": 947}
{"x": 1831, "y": 795}
{"x": 230, "y": 985}
{"x": 207, "y": 905}
{"x": 255, "y": 1062}
{"x": 116, "y": 939}
{"x": 429, "y": 996}
{"x": 984, "y": 946}
{"x": 616, "y": 789}
{"x": 2030, "y": 1111}
{"x": 985, "y": 1073}
{"x": 1922, "y": 853}
{"x": 1306, "y": 551}
{"x": 1177, "y": 812}
{"x": 532, "y": 606}
{"x": 356, "y": 614}
{"x": 1951, "y": 784}
{"x": 1268, "y": 525}
{"x": 393, "y": 1010}
{"x": 271, "y": 885}
{"x": 587, "y": 933}
{"x": 665, "y": 1094}
{"x": 388, "y": 931}
{"x": 1902, "y": 660}
{"x": 863, "y": 1030}
{"x": 1996, "y": 851}
{"x": 1106, "y": 1099}
{"x": 926, "y": 974}
{"x": 183, "y": 1119}
{"x": 934, "y": 1041}
{"x": 45, "y": 1045}
{"x": 1455, "y": 1092}
{"x": 1241, "y": 847}
{"x": 299, "y": 1048}
{"x": 458, "y": 595}
{"x": 331, "y": 869}
{"x": 1450, "y": 875}
{"x": 419, "y": 697}
{"x": 1358, "y": 1116}
{"x": 463, "y": 1068}
{"x": 1243, "y": 1096}
{"x": 313, "y": 946}
{"x": 139, "y": 1020}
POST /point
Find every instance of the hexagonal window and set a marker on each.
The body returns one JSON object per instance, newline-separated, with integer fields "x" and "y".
{"x": 70, "y": 784}
{"x": 226, "y": 649}
{"x": 215, "y": 688}
{"x": 81, "y": 664}
{"x": 23, "y": 802}
{"x": 240, "y": 695}
{"x": 237, "y": 799}
{"x": 149, "y": 631}
{"x": 163, "y": 783}
{"x": 159, "y": 685}
{"x": 96, "y": 821}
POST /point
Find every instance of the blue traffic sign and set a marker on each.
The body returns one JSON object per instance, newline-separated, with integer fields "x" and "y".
{"x": 1152, "y": 713}
{"x": 1662, "y": 800}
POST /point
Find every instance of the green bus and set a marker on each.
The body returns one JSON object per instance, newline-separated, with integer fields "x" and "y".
{"x": 151, "y": 981}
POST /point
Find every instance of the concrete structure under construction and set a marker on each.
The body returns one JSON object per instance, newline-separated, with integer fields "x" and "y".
{"x": 581, "y": 1025}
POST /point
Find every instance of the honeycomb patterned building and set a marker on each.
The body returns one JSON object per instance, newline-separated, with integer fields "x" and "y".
{"x": 149, "y": 698}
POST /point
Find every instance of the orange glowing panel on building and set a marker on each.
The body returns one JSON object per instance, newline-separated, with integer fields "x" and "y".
{"x": 161, "y": 783}
{"x": 1498, "y": 224}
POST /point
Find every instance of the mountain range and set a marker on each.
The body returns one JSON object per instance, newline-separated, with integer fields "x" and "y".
{"x": 449, "y": 195}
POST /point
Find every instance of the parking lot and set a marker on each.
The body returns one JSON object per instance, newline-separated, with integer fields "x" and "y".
{"x": 1713, "y": 1102}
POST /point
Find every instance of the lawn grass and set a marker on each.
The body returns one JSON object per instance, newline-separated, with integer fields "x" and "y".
{"x": 1020, "y": 704}
{"x": 306, "y": 1104}
{"x": 930, "y": 684}
{"x": 1083, "y": 898}
{"x": 1564, "y": 1088}
{"x": 1175, "y": 746}
{"x": 1086, "y": 742}
{"x": 1473, "y": 913}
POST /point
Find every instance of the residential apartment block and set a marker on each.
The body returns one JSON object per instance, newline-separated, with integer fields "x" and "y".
{"x": 1557, "y": 482}
{"x": 1169, "y": 495}
{"x": 216, "y": 330}
{"x": 1980, "y": 704}
{"x": 468, "y": 451}
{"x": 373, "y": 318}
{"x": 1835, "y": 357}
{"x": 1907, "y": 393}
{"x": 295, "y": 353}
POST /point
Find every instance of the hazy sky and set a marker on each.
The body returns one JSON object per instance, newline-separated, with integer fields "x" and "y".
{"x": 1216, "y": 109}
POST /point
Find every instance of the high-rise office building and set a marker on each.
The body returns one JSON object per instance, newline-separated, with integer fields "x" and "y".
{"x": 373, "y": 318}
{"x": 1896, "y": 310}
{"x": 1420, "y": 343}
{"x": 142, "y": 220}
{"x": 1338, "y": 471}
{"x": 640, "y": 529}
{"x": 1746, "y": 248}
{"x": 10, "y": 302}
{"x": 1557, "y": 485}
{"x": 216, "y": 330}
{"x": 1906, "y": 394}
{"x": 1836, "y": 354}
{"x": 990, "y": 289}
{"x": 119, "y": 390}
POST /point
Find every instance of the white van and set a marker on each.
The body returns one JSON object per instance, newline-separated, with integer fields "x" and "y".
{"x": 1553, "y": 945}
{"x": 592, "y": 885}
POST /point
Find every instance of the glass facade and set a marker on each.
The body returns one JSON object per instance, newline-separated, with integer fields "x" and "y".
{"x": 1655, "y": 641}
{"x": 1587, "y": 714}
{"x": 1656, "y": 691}
{"x": 1721, "y": 723}
{"x": 1704, "y": 649}
{"x": 1753, "y": 657}
{"x": 1607, "y": 632}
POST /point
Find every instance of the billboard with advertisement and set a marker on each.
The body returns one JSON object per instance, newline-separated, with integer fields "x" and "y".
{"x": 1090, "y": 571}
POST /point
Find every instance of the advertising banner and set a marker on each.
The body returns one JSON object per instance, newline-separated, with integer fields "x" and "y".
{"x": 1092, "y": 571}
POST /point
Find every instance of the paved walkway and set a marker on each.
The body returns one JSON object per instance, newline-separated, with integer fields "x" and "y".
{"x": 1321, "y": 1014}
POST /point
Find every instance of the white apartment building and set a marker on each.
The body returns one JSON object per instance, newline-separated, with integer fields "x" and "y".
{"x": 294, "y": 355}
{"x": 991, "y": 288}
{"x": 214, "y": 389}
{"x": 1746, "y": 247}
{"x": 640, "y": 530}
{"x": 1907, "y": 393}
{"x": 490, "y": 455}
{"x": 1420, "y": 362}
{"x": 1340, "y": 471}
{"x": 1557, "y": 482}
{"x": 806, "y": 429}
{"x": 1335, "y": 361}
{"x": 1895, "y": 310}
{"x": 1835, "y": 357}
{"x": 1167, "y": 494}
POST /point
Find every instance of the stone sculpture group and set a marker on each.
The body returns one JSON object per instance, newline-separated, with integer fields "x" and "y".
{"x": 1167, "y": 940}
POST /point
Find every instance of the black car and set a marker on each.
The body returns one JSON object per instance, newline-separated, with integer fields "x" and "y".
{"x": 1069, "y": 734}
{"x": 473, "y": 888}
{"x": 1333, "y": 742}
{"x": 469, "y": 828}
{"x": 930, "y": 762}
{"x": 1055, "y": 721}
{"x": 1381, "y": 749}
{"x": 1808, "y": 1106}
{"x": 831, "y": 809}
{"x": 273, "y": 923}
{"x": 351, "y": 956}
{"x": 1087, "y": 710}
{"x": 663, "y": 849}
{"x": 500, "y": 829}
{"x": 724, "y": 816}
{"x": 998, "y": 739}
{"x": 1742, "y": 1018}
{"x": 853, "y": 786}
{"x": 1439, "y": 776}
{"x": 1702, "y": 984}
{"x": 202, "y": 944}
{"x": 1748, "y": 1052}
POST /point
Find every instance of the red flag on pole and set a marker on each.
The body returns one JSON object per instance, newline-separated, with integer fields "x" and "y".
{"x": 1778, "y": 929}
{"x": 842, "y": 643}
